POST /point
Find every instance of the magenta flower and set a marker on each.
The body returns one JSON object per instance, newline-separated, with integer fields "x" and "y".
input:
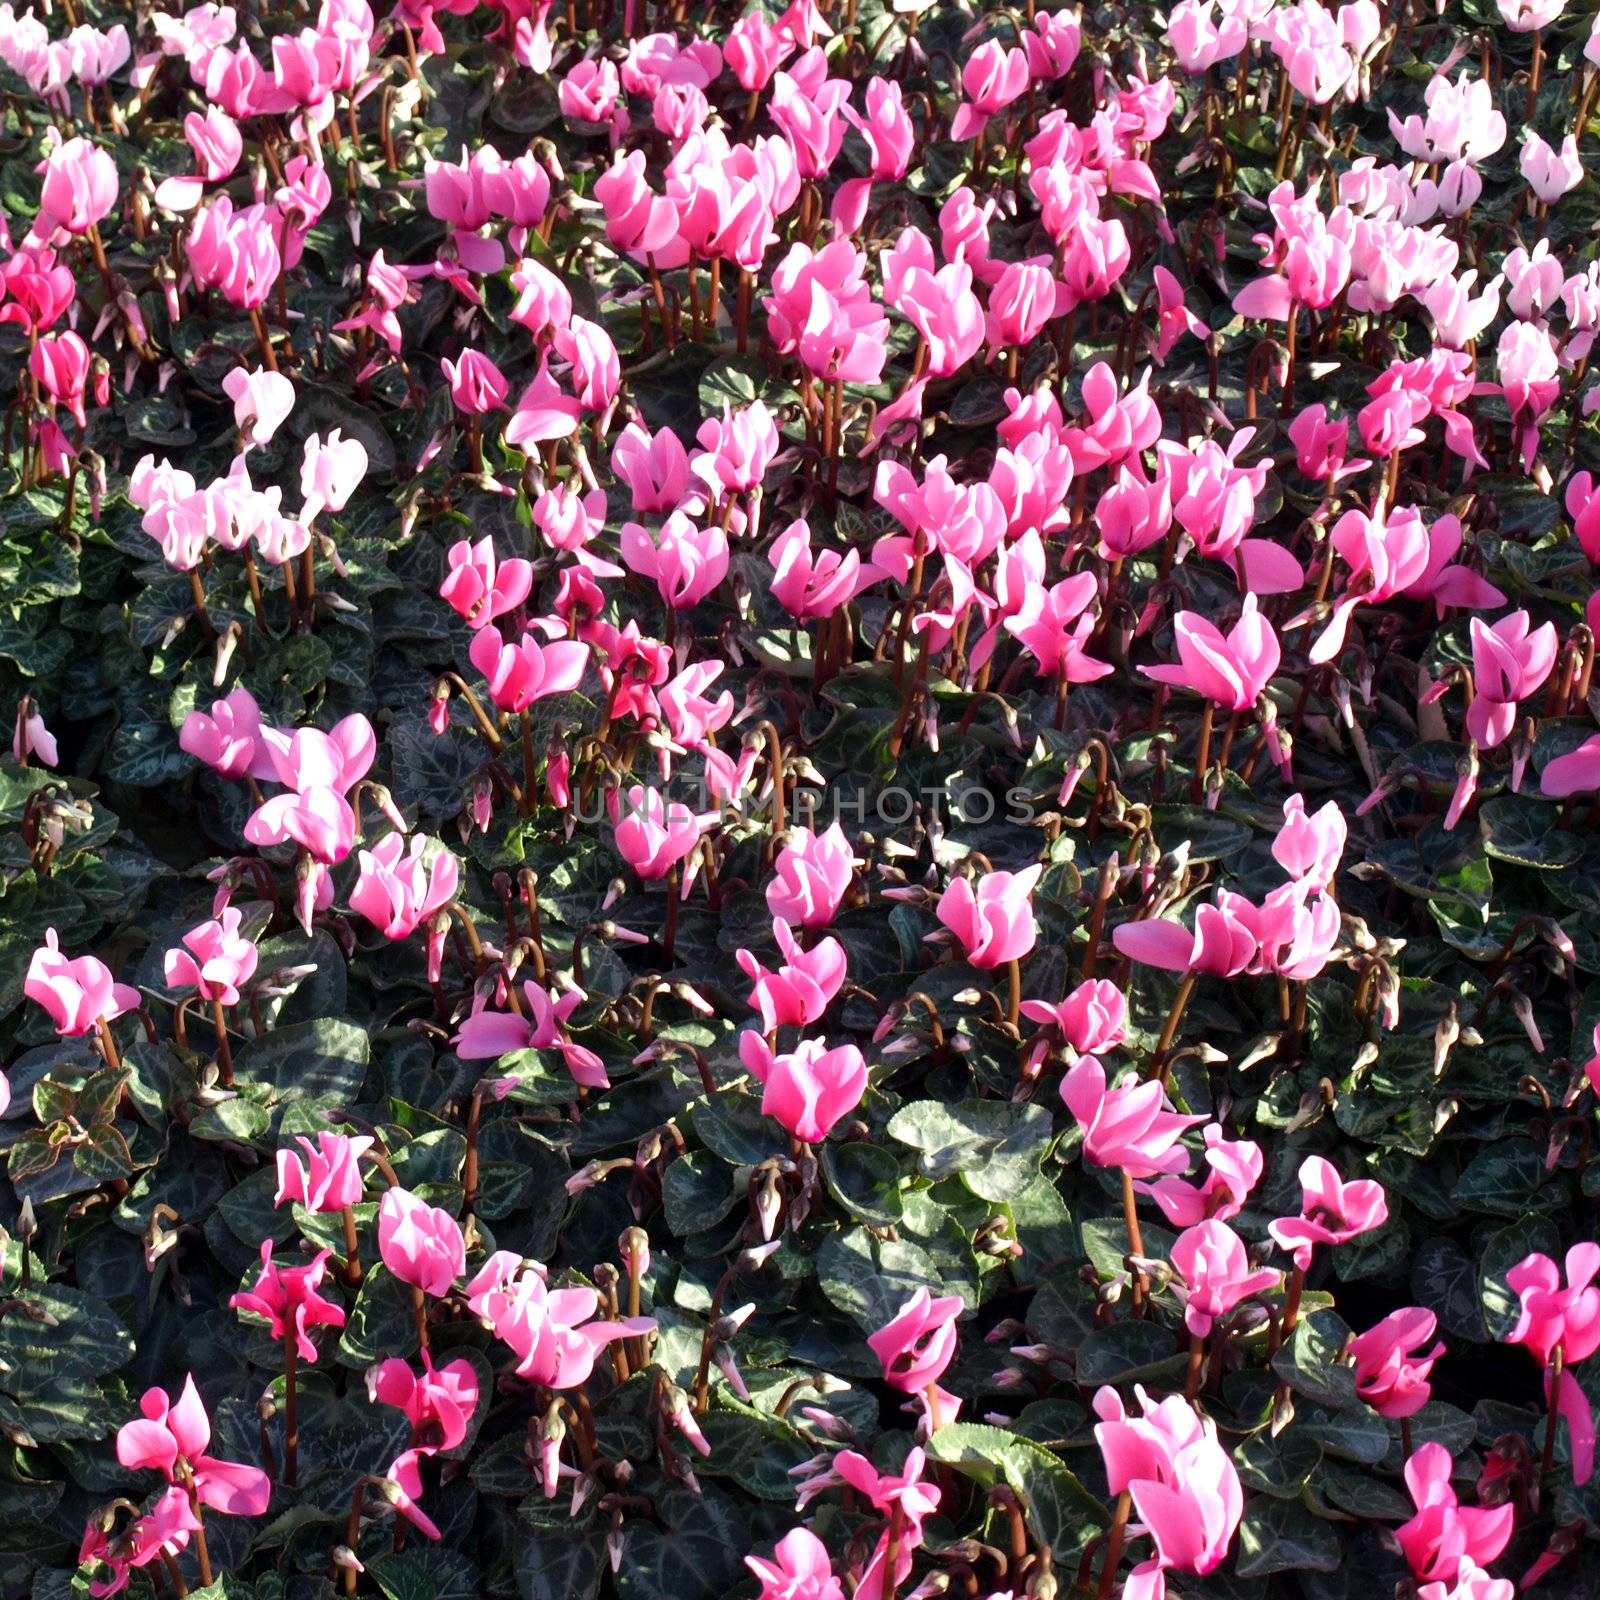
{"x": 438, "y": 1404}
{"x": 329, "y": 1178}
{"x": 522, "y": 671}
{"x": 288, "y": 1298}
{"x": 1309, "y": 848}
{"x": 917, "y": 1343}
{"x": 685, "y": 560}
{"x": 807, "y": 1089}
{"x": 652, "y": 834}
{"x": 1226, "y": 939}
{"x": 420, "y": 1244}
{"x": 1444, "y": 1535}
{"x": 228, "y": 737}
{"x": 1127, "y": 1127}
{"x": 399, "y": 888}
{"x": 165, "y": 1434}
{"x": 1231, "y": 669}
{"x": 479, "y": 586}
{"x": 162, "y": 1531}
{"x": 1509, "y": 663}
{"x": 1332, "y": 1211}
{"x": 800, "y": 1568}
{"x": 79, "y": 994}
{"x": 486, "y": 1035}
{"x": 994, "y": 925}
{"x": 476, "y": 384}
{"x": 1390, "y": 1376}
{"x": 1215, "y": 1267}
{"x": 1234, "y": 1170}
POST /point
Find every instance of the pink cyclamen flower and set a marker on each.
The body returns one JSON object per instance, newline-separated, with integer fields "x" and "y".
{"x": 438, "y": 1404}
{"x": 288, "y": 1298}
{"x": 215, "y": 959}
{"x": 991, "y": 79}
{"x": 476, "y": 384}
{"x": 1553, "y": 1319}
{"x": 1390, "y": 1376}
{"x": 161, "y": 1532}
{"x": 1445, "y": 1535}
{"x": 1230, "y": 669}
{"x": 1094, "y": 1017}
{"x": 1226, "y": 939}
{"x": 80, "y": 186}
{"x": 61, "y": 364}
{"x": 1509, "y": 663}
{"x": 1215, "y": 1268}
{"x": 487, "y": 1035}
{"x": 1182, "y": 1482}
{"x": 800, "y": 1568}
{"x": 79, "y": 994}
{"x": 1550, "y": 173}
{"x": 1309, "y": 848}
{"x": 918, "y": 1342}
{"x": 1128, "y": 1127}
{"x": 808, "y": 583}
{"x": 262, "y": 402}
{"x": 167, "y": 1433}
{"x": 811, "y": 876}
{"x": 550, "y": 1331}
{"x": 399, "y": 888}
{"x": 419, "y": 1243}
{"x": 329, "y": 1178}
{"x": 30, "y": 737}
{"x": 808, "y": 1089}
{"x": 1332, "y": 1211}
{"x": 228, "y": 737}
{"x": 523, "y": 671}
{"x": 685, "y": 560}
{"x": 995, "y": 925}
{"x": 479, "y": 586}
{"x": 652, "y": 834}
{"x": 799, "y": 991}
{"x": 1234, "y": 1168}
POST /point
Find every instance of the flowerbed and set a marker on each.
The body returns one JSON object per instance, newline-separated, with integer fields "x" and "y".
{"x": 801, "y": 802}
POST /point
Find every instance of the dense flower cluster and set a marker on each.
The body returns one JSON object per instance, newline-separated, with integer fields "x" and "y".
{"x": 800, "y": 799}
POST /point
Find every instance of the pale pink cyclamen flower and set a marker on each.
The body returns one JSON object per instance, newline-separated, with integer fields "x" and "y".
{"x": 31, "y": 738}
{"x": 419, "y": 1243}
{"x": 228, "y": 737}
{"x": 329, "y": 1176}
{"x": 1183, "y": 1484}
{"x": 1215, "y": 1267}
{"x": 811, "y": 876}
{"x": 809, "y": 1089}
{"x": 1390, "y": 1376}
{"x": 1128, "y": 1127}
{"x": 262, "y": 402}
{"x": 331, "y": 471}
{"x": 1444, "y": 1535}
{"x": 1309, "y": 846}
{"x": 79, "y": 994}
{"x": 1331, "y": 1212}
{"x": 215, "y": 959}
{"x": 1550, "y": 173}
{"x": 167, "y": 1433}
{"x": 994, "y": 924}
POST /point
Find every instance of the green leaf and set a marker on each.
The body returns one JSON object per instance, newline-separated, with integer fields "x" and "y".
{"x": 865, "y": 1180}
{"x": 1128, "y": 1352}
{"x": 1283, "y": 1536}
{"x": 996, "y": 1146}
{"x": 1310, "y": 1363}
{"x": 327, "y": 1057}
